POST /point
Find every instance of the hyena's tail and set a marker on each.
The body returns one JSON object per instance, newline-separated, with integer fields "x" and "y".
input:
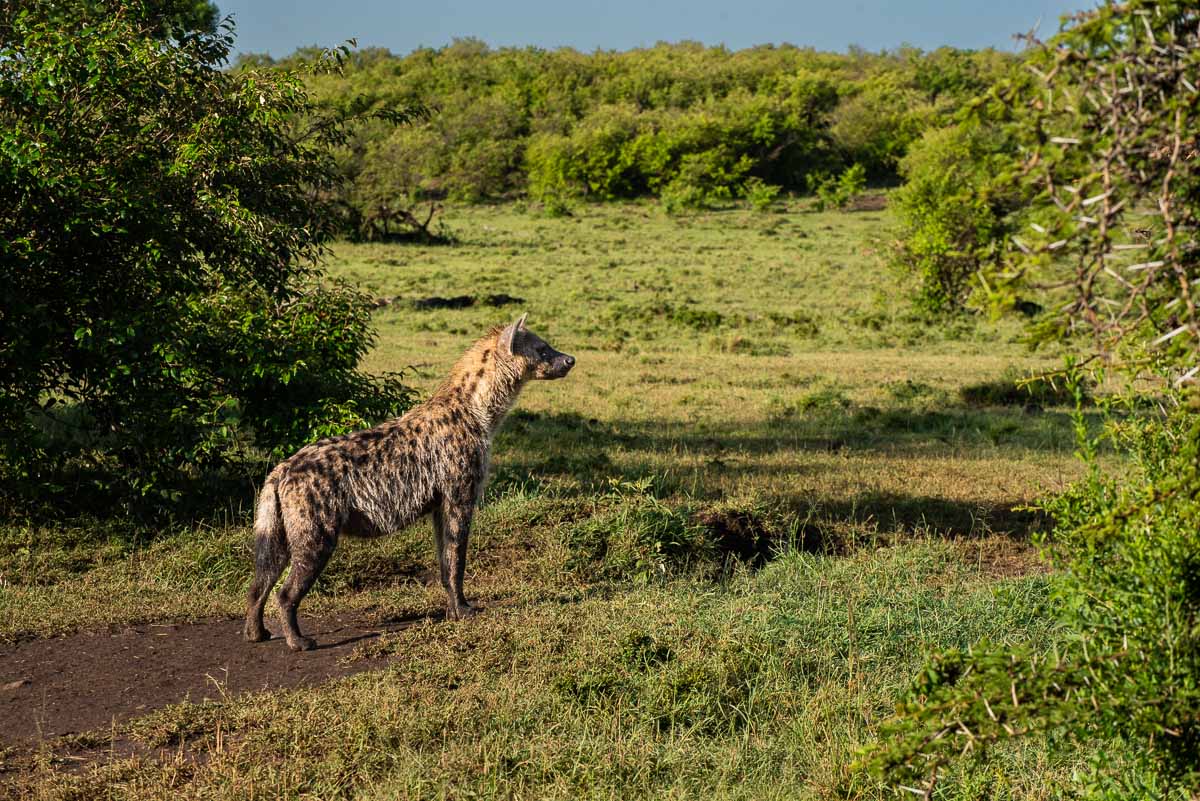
{"x": 270, "y": 539}
{"x": 271, "y": 554}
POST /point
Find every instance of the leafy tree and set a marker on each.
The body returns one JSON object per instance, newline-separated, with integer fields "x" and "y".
{"x": 163, "y": 317}
{"x": 1109, "y": 114}
{"x": 1104, "y": 121}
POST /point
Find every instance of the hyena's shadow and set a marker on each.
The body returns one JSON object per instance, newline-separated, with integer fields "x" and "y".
{"x": 340, "y": 633}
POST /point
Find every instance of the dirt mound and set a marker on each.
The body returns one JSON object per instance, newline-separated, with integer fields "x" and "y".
{"x": 53, "y": 687}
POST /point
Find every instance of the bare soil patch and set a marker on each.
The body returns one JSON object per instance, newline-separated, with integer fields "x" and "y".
{"x": 869, "y": 203}
{"x": 55, "y": 687}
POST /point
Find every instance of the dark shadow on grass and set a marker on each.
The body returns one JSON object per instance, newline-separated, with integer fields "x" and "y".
{"x": 386, "y": 627}
{"x": 583, "y": 450}
{"x": 870, "y": 519}
{"x": 568, "y": 444}
{"x": 535, "y": 447}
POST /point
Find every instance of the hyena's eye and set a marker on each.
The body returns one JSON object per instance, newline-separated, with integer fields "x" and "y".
{"x": 544, "y": 352}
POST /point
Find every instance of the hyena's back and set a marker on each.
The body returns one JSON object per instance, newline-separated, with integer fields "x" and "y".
{"x": 363, "y": 484}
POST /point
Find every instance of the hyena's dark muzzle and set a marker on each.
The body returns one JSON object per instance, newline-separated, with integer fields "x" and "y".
{"x": 560, "y": 365}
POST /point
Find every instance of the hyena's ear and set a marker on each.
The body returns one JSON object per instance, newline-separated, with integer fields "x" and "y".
{"x": 509, "y": 334}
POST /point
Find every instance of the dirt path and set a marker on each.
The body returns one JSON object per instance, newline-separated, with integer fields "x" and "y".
{"x": 53, "y": 687}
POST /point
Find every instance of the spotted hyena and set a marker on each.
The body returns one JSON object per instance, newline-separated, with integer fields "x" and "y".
{"x": 434, "y": 460}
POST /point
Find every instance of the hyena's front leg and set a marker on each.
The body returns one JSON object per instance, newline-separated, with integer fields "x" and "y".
{"x": 310, "y": 552}
{"x": 454, "y": 522}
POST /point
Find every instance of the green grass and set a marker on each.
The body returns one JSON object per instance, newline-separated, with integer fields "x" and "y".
{"x": 761, "y": 686}
{"x": 737, "y": 372}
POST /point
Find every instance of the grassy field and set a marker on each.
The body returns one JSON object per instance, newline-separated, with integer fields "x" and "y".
{"x": 711, "y": 557}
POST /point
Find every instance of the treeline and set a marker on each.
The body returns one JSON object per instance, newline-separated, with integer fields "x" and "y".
{"x": 690, "y": 124}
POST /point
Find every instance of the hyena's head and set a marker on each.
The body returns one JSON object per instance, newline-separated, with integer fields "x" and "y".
{"x": 533, "y": 355}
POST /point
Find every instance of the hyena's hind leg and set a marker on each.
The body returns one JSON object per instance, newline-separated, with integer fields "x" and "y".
{"x": 310, "y": 552}
{"x": 267, "y": 570}
{"x": 270, "y": 559}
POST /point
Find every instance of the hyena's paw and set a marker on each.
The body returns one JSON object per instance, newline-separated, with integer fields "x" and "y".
{"x": 461, "y": 611}
{"x": 256, "y": 633}
{"x": 302, "y": 644}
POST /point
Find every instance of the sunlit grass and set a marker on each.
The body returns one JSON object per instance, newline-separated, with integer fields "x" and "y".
{"x": 735, "y": 369}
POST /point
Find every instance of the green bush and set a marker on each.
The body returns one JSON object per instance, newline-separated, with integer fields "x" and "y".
{"x": 1126, "y": 667}
{"x": 162, "y": 320}
{"x": 874, "y": 126}
{"x": 760, "y": 194}
{"x": 838, "y": 191}
{"x": 953, "y": 211}
{"x": 705, "y": 180}
{"x": 595, "y": 161}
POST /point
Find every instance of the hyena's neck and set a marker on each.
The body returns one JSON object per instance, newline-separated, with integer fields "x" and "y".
{"x": 484, "y": 383}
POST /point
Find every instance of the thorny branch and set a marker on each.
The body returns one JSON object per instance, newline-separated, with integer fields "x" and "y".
{"x": 1119, "y": 158}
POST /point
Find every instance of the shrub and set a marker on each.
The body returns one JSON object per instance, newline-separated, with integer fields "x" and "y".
{"x": 595, "y": 161}
{"x": 159, "y": 223}
{"x": 705, "y": 179}
{"x": 760, "y": 194}
{"x": 838, "y": 191}
{"x": 1124, "y": 668}
{"x": 640, "y": 538}
{"x": 953, "y": 212}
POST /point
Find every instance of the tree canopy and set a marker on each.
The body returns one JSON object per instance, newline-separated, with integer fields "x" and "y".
{"x": 161, "y": 221}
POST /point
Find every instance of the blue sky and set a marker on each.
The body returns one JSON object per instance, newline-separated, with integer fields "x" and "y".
{"x": 280, "y": 26}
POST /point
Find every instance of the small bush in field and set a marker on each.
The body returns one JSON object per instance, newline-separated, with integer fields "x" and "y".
{"x": 704, "y": 180}
{"x": 838, "y": 191}
{"x": 640, "y": 538}
{"x": 760, "y": 194}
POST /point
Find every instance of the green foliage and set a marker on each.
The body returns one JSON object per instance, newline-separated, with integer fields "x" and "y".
{"x": 641, "y": 538}
{"x": 760, "y": 194}
{"x": 875, "y": 125}
{"x": 1058, "y": 179}
{"x": 159, "y": 219}
{"x": 682, "y": 122}
{"x": 954, "y": 72}
{"x": 706, "y": 179}
{"x": 838, "y": 191}
{"x": 598, "y": 160}
{"x": 953, "y": 211}
{"x": 1126, "y": 665}
{"x": 1115, "y": 173}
